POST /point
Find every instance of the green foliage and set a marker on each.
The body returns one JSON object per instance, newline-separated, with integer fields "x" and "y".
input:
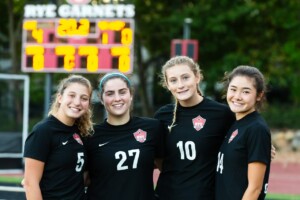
{"x": 231, "y": 33}
{"x": 264, "y": 34}
{"x": 281, "y": 116}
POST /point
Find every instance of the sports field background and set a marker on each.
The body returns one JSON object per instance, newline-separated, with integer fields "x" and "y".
{"x": 284, "y": 183}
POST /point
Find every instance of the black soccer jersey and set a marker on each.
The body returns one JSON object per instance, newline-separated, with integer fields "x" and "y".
{"x": 61, "y": 149}
{"x": 248, "y": 140}
{"x": 121, "y": 159}
{"x": 188, "y": 170}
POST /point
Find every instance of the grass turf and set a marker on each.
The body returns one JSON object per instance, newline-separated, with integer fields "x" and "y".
{"x": 18, "y": 179}
{"x": 11, "y": 179}
{"x": 282, "y": 197}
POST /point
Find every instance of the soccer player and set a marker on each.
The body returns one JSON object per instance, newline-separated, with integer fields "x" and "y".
{"x": 54, "y": 152}
{"x": 244, "y": 158}
{"x": 122, "y": 151}
{"x": 197, "y": 126}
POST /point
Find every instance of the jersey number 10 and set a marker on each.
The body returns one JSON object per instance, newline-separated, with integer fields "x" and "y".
{"x": 187, "y": 150}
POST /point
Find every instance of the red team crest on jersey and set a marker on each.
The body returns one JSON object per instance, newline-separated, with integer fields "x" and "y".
{"x": 77, "y": 138}
{"x": 198, "y": 123}
{"x": 140, "y": 135}
{"x": 233, "y": 134}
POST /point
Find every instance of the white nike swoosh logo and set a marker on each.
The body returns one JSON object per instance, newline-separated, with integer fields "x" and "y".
{"x": 100, "y": 145}
{"x": 64, "y": 143}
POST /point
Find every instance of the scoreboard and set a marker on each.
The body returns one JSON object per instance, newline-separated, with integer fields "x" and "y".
{"x": 81, "y": 45}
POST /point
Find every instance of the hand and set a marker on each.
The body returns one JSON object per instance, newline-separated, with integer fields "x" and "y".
{"x": 22, "y": 182}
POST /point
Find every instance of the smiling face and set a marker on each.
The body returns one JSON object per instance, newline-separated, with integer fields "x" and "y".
{"x": 183, "y": 84}
{"x": 73, "y": 103}
{"x": 117, "y": 99}
{"x": 242, "y": 96}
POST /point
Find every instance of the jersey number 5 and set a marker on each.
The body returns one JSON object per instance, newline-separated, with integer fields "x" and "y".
{"x": 80, "y": 161}
{"x": 122, "y": 156}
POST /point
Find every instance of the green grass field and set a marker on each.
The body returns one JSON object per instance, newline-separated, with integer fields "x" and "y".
{"x": 10, "y": 179}
{"x": 17, "y": 180}
{"x": 282, "y": 197}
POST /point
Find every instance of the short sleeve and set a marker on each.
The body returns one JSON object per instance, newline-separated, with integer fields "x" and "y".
{"x": 38, "y": 144}
{"x": 259, "y": 145}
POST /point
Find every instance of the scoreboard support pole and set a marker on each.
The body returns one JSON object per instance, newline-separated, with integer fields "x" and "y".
{"x": 47, "y": 91}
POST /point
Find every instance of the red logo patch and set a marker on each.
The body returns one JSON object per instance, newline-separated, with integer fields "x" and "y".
{"x": 233, "y": 134}
{"x": 78, "y": 1}
{"x": 140, "y": 135}
{"x": 77, "y": 138}
{"x": 198, "y": 123}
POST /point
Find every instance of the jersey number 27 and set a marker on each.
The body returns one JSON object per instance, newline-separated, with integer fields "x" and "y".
{"x": 122, "y": 156}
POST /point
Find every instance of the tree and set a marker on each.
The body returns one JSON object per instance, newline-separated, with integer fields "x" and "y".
{"x": 12, "y": 33}
{"x": 262, "y": 34}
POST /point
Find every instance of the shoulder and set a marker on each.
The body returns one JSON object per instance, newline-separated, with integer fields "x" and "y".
{"x": 257, "y": 127}
{"x": 213, "y": 103}
{"x": 145, "y": 122}
{"x": 145, "y": 119}
{"x": 221, "y": 108}
{"x": 44, "y": 126}
{"x": 39, "y": 141}
{"x": 100, "y": 128}
{"x": 164, "y": 110}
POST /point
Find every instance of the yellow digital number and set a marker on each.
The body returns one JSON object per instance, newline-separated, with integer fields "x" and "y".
{"x": 126, "y": 36}
{"x": 124, "y": 59}
{"x": 38, "y": 62}
{"x": 124, "y": 63}
{"x": 92, "y": 63}
{"x": 30, "y": 25}
{"x": 113, "y": 26}
{"x": 62, "y": 27}
{"x": 69, "y": 62}
{"x": 84, "y": 27}
{"x": 109, "y": 26}
{"x": 37, "y": 53}
{"x": 69, "y": 27}
{"x": 92, "y": 57}
{"x": 104, "y": 38}
{"x": 69, "y": 58}
{"x": 37, "y": 34}
{"x": 116, "y": 51}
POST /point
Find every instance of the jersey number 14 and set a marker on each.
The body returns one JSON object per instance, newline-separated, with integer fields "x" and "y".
{"x": 220, "y": 165}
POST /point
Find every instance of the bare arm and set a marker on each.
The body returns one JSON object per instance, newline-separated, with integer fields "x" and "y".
{"x": 32, "y": 176}
{"x": 86, "y": 178}
{"x": 256, "y": 173}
